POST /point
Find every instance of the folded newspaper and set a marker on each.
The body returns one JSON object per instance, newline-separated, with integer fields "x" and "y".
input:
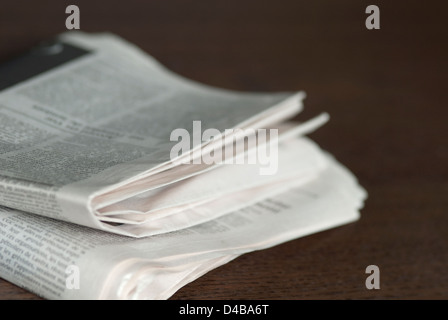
{"x": 122, "y": 180}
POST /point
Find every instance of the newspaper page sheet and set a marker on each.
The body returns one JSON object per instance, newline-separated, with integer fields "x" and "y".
{"x": 35, "y": 252}
{"x": 100, "y": 120}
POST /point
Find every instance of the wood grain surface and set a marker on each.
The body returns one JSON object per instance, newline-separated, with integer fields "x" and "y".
{"x": 386, "y": 92}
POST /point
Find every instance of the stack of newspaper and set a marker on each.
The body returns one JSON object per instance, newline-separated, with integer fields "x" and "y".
{"x": 122, "y": 180}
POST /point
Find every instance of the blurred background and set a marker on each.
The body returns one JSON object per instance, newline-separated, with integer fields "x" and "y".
{"x": 385, "y": 91}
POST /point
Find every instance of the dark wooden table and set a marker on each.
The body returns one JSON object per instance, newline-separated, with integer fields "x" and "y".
{"x": 386, "y": 91}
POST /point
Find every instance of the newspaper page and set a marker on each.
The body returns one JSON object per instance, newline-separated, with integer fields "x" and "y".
{"x": 103, "y": 120}
{"x": 39, "y": 254}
